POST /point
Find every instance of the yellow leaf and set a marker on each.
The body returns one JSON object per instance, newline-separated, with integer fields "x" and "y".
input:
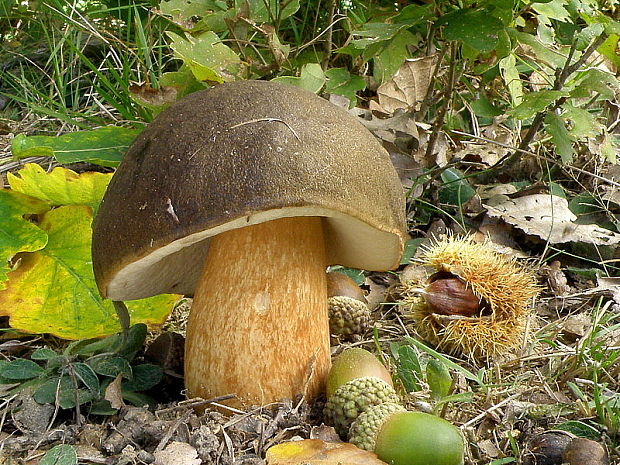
{"x": 317, "y": 452}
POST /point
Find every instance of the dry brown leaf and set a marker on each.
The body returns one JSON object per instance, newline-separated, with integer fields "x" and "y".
{"x": 407, "y": 88}
{"x": 177, "y": 453}
{"x": 317, "y": 452}
{"x": 548, "y": 217}
{"x": 114, "y": 393}
{"x": 147, "y": 95}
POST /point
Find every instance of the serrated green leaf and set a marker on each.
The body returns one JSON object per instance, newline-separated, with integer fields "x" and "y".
{"x": 16, "y": 233}
{"x": 596, "y": 81}
{"x": 144, "y": 377}
{"x": 54, "y": 291}
{"x": 475, "y": 28}
{"x": 61, "y": 186}
{"x": 21, "y": 368}
{"x": 535, "y": 102}
{"x": 62, "y": 454}
{"x": 207, "y": 57}
{"x": 104, "y": 146}
{"x": 555, "y": 126}
{"x": 374, "y": 33}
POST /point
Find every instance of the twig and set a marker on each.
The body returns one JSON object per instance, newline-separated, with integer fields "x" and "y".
{"x": 268, "y": 120}
{"x": 330, "y": 34}
{"x": 441, "y": 114}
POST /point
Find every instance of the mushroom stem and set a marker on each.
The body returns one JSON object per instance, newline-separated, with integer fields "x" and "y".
{"x": 258, "y": 327}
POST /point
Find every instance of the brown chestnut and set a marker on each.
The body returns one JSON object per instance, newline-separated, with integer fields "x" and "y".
{"x": 451, "y": 296}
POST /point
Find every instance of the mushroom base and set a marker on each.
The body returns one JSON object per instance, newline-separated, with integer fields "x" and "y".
{"x": 258, "y": 327}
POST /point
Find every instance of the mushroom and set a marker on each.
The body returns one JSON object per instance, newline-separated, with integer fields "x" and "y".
{"x": 241, "y": 195}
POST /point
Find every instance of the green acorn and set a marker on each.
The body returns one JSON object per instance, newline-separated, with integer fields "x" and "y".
{"x": 347, "y": 307}
{"x": 356, "y": 381}
{"x": 401, "y": 437}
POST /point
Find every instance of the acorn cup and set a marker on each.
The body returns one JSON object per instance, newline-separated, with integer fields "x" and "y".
{"x": 356, "y": 381}
{"x": 477, "y": 302}
{"x": 347, "y": 307}
{"x": 401, "y": 437}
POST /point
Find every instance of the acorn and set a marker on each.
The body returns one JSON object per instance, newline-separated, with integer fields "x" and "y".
{"x": 476, "y": 303}
{"x": 356, "y": 381}
{"x": 347, "y": 307}
{"x": 401, "y": 437}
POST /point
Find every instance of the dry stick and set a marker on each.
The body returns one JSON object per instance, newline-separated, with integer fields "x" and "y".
{"x": 330, "y": 34}
{"x": 441, "y": 114}
{"x": 559, "y": 83}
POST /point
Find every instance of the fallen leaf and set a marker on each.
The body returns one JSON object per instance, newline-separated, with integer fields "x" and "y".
{"x": 53, "y": 290}
{"x": 407, "y": 88}
{"x": 61, "y": 186}
{"x": 317, "y": 452}
{"x": 177, "y": 453}
{"x": 152, "y": 98}
{"x": 548, "y": 217}
{"x": 16, "y": 233}
{"x": 114, "y": 393}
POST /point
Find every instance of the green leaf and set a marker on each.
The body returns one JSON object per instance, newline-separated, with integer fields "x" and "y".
{"x": 408, "y": 367}
{"x": 183, "y": 80}
{"x": 582, "y": 122}
{"x": 16, "y": 233}
{"x": 311, "y": 78}
{"x": 207, "y": 57}
{"x": 543, "y": 54}
{"x": 21, "y": 369}
{"x": 561, "y": 138}
{"x": 62, "y": 454}
{"x": 111, "y": 366}
{"x": 596, "y": 81}
{"x": 104, "y": 146}
{"x": 62, "y": 390}
{"x": 510, "y": 75}
{"x": 87, "y": 376}
{"x": 535, "y": 102}
{"x": 144, "y": 377}
{"x": 475, "y": 28}
{"x": 115, "y": 343}
{"x": 410, "y": 249}
{"x": 341, "y": 82}
{"x": 438, "y": 378}
{"x": 43, "y": 353}
{"x": 186, "y": 9}
{"x": 374, "y": 33}
{"x": 54, "y": 291}
{"x": 61, "y": 186}
{"x": 456, "y": 189}
{"x": 553, "y": 9}
{"x": 392, "y": 55}
{"x": 268, "y": 11}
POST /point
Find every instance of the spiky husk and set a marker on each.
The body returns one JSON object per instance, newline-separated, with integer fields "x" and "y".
{"x": 364, "y": 430}
{"x": 353, "y": 398}
{"x": 507, "y": 288}
{"x": 347, "y": 316}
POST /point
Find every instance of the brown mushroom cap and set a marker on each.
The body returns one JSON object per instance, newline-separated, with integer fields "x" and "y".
{"x": 238, "y": 154}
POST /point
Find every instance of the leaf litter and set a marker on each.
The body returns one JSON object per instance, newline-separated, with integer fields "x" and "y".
{"x": 518, "y": 401}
